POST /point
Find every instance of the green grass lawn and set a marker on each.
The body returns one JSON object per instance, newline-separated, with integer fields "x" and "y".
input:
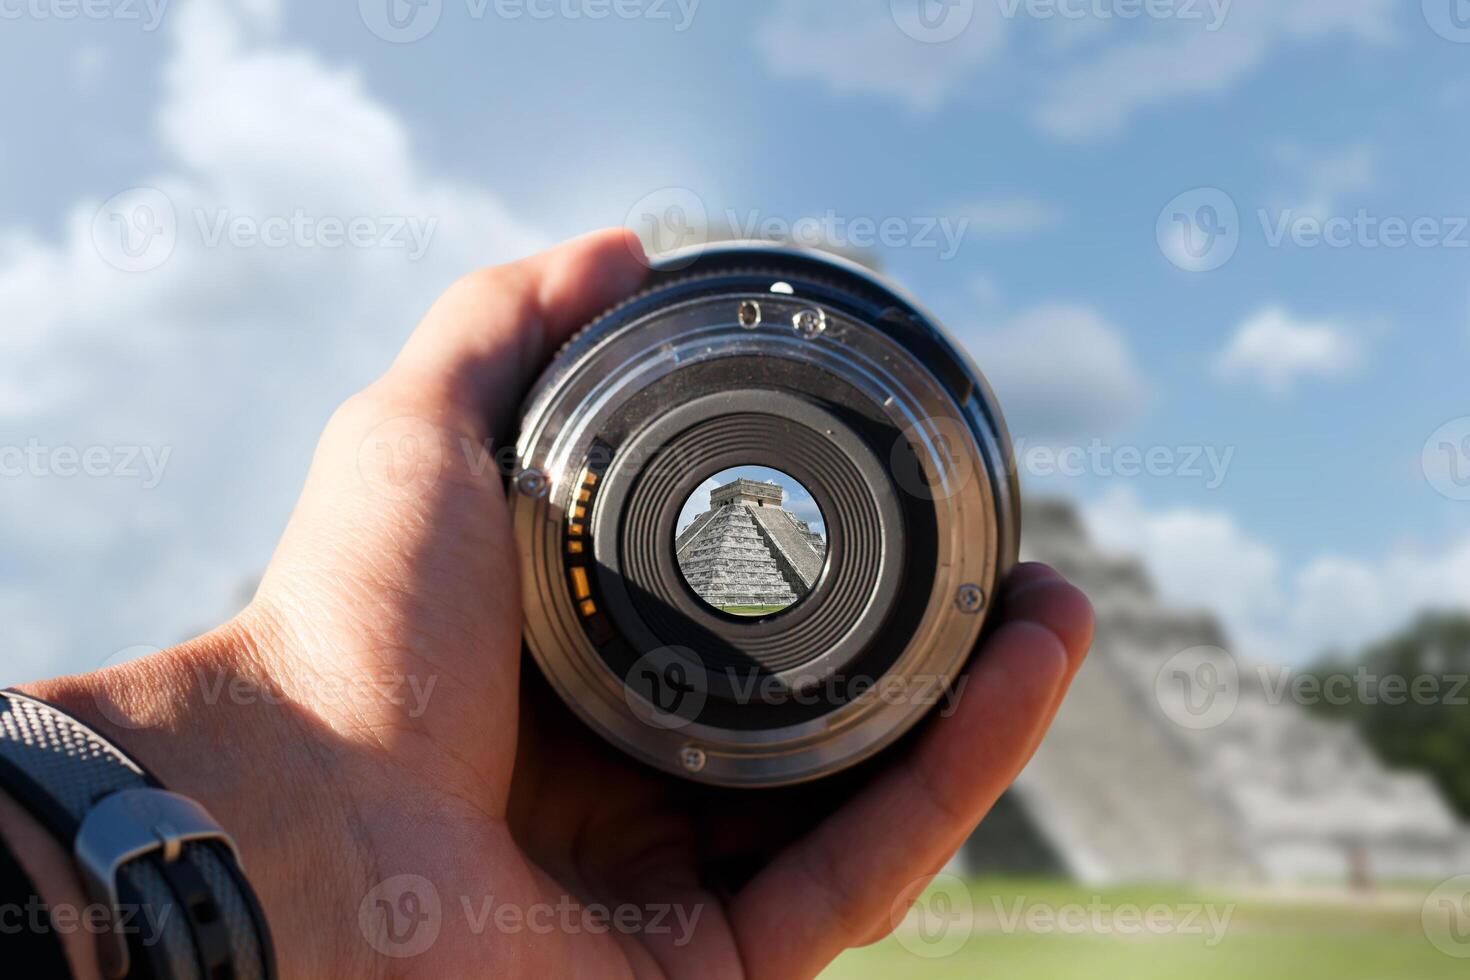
{"x": 1378, "y": 938}
{"x": 752, "y": 610}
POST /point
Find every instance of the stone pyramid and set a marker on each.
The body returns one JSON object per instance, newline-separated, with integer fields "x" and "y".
{"x": 747, "y": 550}
{"x": 1133, "y": 783}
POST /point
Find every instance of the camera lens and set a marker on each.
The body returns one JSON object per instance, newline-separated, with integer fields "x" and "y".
{"x": 761, "y": 509}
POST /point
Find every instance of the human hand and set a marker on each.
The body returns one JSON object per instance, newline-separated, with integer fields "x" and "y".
{"x": 400, "y": 752}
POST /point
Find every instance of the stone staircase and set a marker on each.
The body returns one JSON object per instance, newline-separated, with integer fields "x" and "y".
{"x": 791, "y": 542}
{"x": 727, "y": 559}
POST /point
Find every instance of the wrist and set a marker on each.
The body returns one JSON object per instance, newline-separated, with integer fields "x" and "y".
{"x": 209, "y": 719}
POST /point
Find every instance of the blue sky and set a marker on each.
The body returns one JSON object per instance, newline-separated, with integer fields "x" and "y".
{"x": 1055, "y": 141}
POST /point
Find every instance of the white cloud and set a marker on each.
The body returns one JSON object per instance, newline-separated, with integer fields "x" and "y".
{"x": 1062, "y": 372}
{"x": 88, "y": 65}
{"x": 1007, "y": 216}
{"x": 1175, "y": 61}
{"x": 229, "y": 356}
{"x": 985, "y": 289}
{"x": 1204, "y": 559}
{"x": 1272, "y": 349}
{"x": 1079, "y": 79}
{"x": 1341, "y": 601}
{"x": 1325, "y": 179}
{"x": 859, "y": 49}
{"x": 1098, "y": 95}
{"x": 1196, "y": 557}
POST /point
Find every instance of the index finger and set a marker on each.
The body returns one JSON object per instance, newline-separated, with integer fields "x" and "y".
{"x": 833, "y": 888}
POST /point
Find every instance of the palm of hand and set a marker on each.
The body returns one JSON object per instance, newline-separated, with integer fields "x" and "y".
{"x": 397, "y": 577}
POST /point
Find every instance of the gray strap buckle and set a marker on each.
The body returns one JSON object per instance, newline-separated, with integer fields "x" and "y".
{"x": 127, "y": 825}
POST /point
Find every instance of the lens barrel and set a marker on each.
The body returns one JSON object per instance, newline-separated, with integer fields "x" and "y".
{"x": 790, "y": 360}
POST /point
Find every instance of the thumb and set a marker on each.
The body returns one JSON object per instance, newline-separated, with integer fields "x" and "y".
{"x": 484, "y": 340}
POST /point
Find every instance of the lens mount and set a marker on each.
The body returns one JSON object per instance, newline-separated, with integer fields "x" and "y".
{"x": 753, "y": 355}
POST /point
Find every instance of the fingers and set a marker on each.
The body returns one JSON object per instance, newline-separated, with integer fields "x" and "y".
{"x": 1033, "y": 593}
{"x": 1050, "y": 599}
{"x": 833, "y": 888}
{"x": 1028, "y": 572}
{"x": 482, "y": 343}
{"x": 1036, "y": 593}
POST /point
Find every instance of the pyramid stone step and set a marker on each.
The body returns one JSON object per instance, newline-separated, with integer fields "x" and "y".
{"x": 730, "y": 557}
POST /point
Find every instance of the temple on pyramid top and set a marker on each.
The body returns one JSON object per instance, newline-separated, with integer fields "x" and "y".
{"x": 748, "y": 554}
{"x": 752, "y": 492}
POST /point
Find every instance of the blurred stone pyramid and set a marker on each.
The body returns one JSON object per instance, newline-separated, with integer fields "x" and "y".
{"x": 1148, "y": 775}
